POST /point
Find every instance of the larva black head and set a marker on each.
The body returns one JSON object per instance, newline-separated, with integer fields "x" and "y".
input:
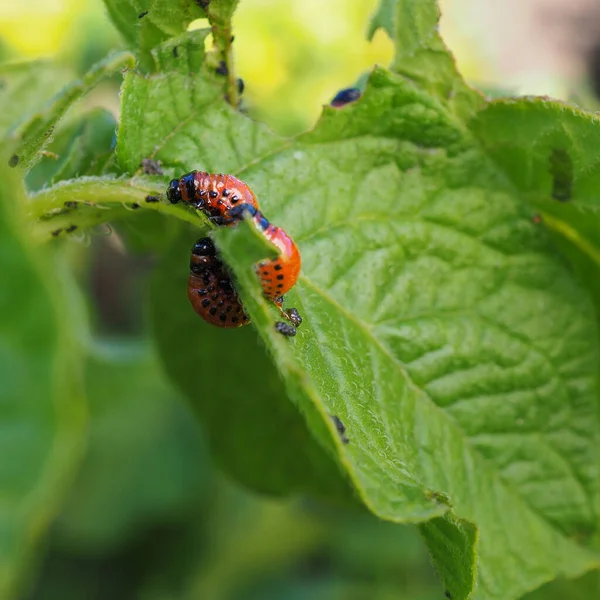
{"x": 174, "y": 193}
{"x": 204, "y": 247}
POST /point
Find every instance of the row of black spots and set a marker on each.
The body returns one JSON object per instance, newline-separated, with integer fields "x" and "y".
{"x": 561, "y": 171}
{"x": 69, "y": 229}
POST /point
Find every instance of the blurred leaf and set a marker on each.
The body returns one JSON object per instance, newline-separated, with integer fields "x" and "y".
{"x": 441, "y": 328}
{"x": 24, "y": 88}
{"x": 179, "y": 117}
{"x": 584, "y": 588}
{"x": 254, "y": 431}
{"x": 221, "y": 10}
{"x": 421, "y": 54}
{"x": 83, "y": 147}
{"x": 41, "y": 412}
{"x": 145, "y": 462}
{"x": 36, "y": 135}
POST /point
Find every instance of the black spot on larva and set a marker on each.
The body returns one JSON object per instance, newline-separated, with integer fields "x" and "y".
{"x": 341, "y": 428}
{"x": 176, "y": 51}
{"x": 152, "y": 199}
{"x": 211, "y": 288}
{"x": 135, "y": 206}
{"x": 235, "y": 199}
{"x": 279, "y": 285}
{"x": 213, "y": 194}
{"x": 280, "y": 277}
{"x": 71, "y": 204}
{"x": 56, "y": 232}
{"x": 222, "y": 317}
{"x": 234, "y": 319}
{"x": 278, "y": 267}
{"x": 225, "y": 285}
{"x": 561, "y": 170}
{"x": 225, "y": 193}
{"x": 197, "y": 269}
{"x": 201, "y": 292}
{"x": 215, "y": 296}
{"x": 220, "y": 302}
{"x": 228, "y": 308}
{"x": 71, "y": 228}
{"x": 206, "y": 302}
{"x": 13, "y": 161}
{"x": 265, "y": 273}
{"x": 142, "y": 14}
{"x": 206, "y": 279}
{"x": 213, "y": 310}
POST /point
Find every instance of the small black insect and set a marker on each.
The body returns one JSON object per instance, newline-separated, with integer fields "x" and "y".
{"x": 346, "y": 96}
{"x": 240, "y": 85}
{"x": 71, "y": 204}
{"x": 176, "y": 51}
{"x": 142, "y": 14}
{"x": 294, "y": 316}
{"x": 151, "y": 166}
{"x": 71, "y": 228}
{"x": 152, "y": 199}
{"x": 13, "y": 161}
{"x": 222, "y": 68}
{"x": 56, "y": 232}
{"x": 341, "y": 428}
{"x": 135, "y": 206}
{"x": 285, "y": 329}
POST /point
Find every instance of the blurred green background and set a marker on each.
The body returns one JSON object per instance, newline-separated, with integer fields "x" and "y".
{"x": 150, "y": 516}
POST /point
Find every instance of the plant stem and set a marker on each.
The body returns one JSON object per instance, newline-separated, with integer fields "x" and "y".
{"x": 89, "y": 201}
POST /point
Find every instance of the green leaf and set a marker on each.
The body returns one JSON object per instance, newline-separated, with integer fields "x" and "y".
{"x": 421, "y": 54}
{"x": 83, "y": 147}
{"x": 147, "y": 23}
{"x": 144, "y": 461}
{"x": 548, "y": 150}
{"x": 41, "y": 410}
{"x": 254, "y": 432}
{"x": 443, "y": 330}
{"x": 24, "y": 89}
{"x": 453, "y": 545}
{"x": 179, "y": 116}
{"x": 36, "y": 135}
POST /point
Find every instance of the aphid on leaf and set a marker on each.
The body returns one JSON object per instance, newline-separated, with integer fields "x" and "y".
{"x": 346, "y": 96}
